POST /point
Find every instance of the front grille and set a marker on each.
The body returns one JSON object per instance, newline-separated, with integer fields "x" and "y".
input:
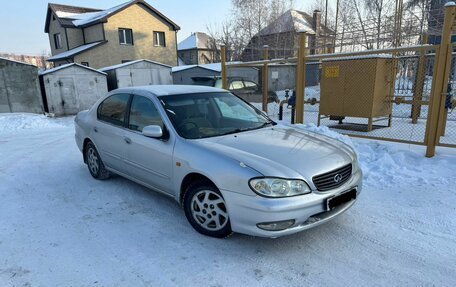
{"x": 328, "y": 180}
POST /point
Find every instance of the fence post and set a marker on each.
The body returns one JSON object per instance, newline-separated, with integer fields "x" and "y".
{"x": 439, "y": 88}
{"x": 418, "y": 87}
{"x": 301, "y": 78}
{"x": 224, "y": 73}
{"x": 265, "y": 78}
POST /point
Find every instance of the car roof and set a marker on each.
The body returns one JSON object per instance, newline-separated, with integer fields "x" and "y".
{"x": 168, "y": 90}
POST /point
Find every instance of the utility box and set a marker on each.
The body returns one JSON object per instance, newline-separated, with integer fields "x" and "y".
{"x": 359, "y": 87}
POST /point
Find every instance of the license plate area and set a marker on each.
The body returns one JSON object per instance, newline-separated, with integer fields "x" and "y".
{"x": 340, "y": 199}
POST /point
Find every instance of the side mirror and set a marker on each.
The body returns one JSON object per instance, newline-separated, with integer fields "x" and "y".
{"x": 152, "y": 131}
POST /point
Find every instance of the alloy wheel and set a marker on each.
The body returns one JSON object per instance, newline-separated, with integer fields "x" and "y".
{"x": 92, "y": 160}
{"x": 209, "y": 210}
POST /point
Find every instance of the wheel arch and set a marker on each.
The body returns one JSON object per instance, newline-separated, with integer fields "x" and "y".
{"x": 84, "y": 147}
{"x": 190, "y": 179}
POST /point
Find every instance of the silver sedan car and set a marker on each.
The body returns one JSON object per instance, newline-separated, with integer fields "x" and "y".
{"x": 229, "y": 166}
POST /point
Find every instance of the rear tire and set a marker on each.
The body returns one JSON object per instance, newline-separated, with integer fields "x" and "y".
{"x": 206, "y": 211}
{"x": 94, "y": 162}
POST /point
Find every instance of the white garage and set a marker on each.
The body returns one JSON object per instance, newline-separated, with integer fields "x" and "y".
{"x": 71, "y": 88}
{"x": 138, "y": 73}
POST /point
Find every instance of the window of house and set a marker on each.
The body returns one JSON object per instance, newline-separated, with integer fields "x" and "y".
{"x": 125, "y": 36}
{"x": 159, "y": 39}
{"x": 143, "y": 113}
{"x": 58, "y": 41}
{"x": 85, "y": 64}
{"x": 114, "y": 109}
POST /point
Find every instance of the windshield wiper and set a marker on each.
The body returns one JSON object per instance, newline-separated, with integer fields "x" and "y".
{"x": 234, "y": 132}
{"x": 264, "y": 125}
{"x": 238, "y": 130}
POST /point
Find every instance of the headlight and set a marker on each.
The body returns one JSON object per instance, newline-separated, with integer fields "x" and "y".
{"x": 278, "y": 187}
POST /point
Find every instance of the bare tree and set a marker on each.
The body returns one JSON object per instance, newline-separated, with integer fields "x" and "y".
{"x": 247, "y": 19}
{"x": 377, "y": 10}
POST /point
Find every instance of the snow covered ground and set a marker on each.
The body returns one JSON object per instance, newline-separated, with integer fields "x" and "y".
{"x": 60, "y": 227}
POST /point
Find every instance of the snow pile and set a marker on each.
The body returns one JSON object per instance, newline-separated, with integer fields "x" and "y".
{"x": 388, "y": 163}
{"x": 324, "y": 130}
{"x": 10, "y": 123}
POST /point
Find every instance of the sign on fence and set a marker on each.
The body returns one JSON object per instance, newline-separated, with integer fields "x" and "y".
{"x": 332, "y": 72}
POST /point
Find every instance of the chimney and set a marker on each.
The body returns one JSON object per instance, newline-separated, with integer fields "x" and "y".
{"x": 316, "y": 23}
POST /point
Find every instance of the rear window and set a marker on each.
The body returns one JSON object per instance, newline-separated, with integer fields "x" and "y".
{"x": 114, "y": 109}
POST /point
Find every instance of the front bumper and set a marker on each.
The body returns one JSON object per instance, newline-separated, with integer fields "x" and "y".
{"x": 307, "y": 210}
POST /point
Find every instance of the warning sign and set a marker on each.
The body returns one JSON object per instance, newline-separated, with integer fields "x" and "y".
{"x": 332, "y": 72}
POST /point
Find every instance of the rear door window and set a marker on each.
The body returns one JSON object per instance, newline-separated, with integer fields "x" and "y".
{"x": 114, "y": 109}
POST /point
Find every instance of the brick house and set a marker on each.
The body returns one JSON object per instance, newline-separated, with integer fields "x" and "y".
{"x": 282, "y": 36}
{"x": 99, "y": 38}
{"x": 198, "y": 49}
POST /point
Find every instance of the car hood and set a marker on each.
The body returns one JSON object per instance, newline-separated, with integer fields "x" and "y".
{"x": 283, "y": 151}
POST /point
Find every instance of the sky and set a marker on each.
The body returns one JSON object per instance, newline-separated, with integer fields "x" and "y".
{"x": 22, "y": 21}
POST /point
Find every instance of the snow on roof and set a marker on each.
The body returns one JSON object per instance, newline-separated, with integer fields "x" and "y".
{"x": 198, "y": 40}
{"x": 75, "y": 51}
{"x": 301, "y": 21}
{"x": 216, "y": 67}
{"x": 292, "y": 21}
{"x": 75, "y": 15}
{"x": 182, "y": 68}
{"x": 67, "y": 66}
{"x": 87, "y": 18}
{"x": 373, "y": 56}
{"x": 131, "y": 63}
{"x": 17, "y": 62}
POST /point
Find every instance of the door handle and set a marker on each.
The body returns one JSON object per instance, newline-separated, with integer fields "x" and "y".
{"x": 127, "y": 140}
{"x": 95, "y": 129}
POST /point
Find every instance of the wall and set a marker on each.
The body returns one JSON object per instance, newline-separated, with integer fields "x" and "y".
{"x": 73, "y": 89}
{"x": 190, "y": 57}
{"x": 143, "y": 23}
{"x": 75, "y": 38}
{"x": 198, "y": 57}
{"x": 19, "y": 88}
{"x": 207, "y": 57}
{"x": 54, "y": 27}
{"x": 139, "y": 74}
{"x": 94, "y": 33}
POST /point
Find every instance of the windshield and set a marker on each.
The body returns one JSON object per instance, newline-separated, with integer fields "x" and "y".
{"x": 206, "y": 115}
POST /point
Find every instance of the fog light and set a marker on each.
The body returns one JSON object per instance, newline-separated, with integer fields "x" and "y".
{"x": 277, "y": 225}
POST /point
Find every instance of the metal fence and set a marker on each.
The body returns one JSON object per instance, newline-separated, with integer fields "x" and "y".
{"x": 403, "y": 94}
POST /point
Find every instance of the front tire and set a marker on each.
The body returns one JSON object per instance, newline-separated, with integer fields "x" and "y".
{"x": 94, "y": 162}
{"x": 206, "y": 211}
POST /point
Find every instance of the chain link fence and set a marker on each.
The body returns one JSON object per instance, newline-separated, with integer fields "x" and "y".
{"x": 403, "y": 94}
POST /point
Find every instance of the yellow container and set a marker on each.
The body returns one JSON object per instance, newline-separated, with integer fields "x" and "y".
{"x": 360, "y": 87}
